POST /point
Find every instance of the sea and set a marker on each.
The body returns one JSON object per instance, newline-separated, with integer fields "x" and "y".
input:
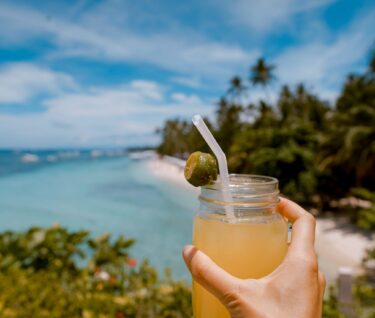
{"x": 103, "y": 191}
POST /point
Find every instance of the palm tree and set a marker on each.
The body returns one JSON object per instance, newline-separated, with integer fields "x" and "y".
{"x": 261, "y": 74}
{"x": 236, "y": 89}
{"x": 350, "y": 146}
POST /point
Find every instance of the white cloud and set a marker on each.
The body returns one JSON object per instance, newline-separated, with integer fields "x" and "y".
{"x": 184, "y": 52}
{"x": 269, "y": 15}
{"x": 129, "y": 112}
{"x": 21, "y": 81}
{"x": 188, "y": 81}
{"x": 191, "y": 100}
{"x": 324, "y": 65}
{"x": 122, "y": 115}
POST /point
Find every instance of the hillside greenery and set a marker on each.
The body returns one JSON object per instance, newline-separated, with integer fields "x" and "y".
{"x": 323, "y": 154}
{"x": 320, "y": 152}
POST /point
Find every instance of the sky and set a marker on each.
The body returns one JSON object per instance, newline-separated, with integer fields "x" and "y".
{"x": 86, "y": 74}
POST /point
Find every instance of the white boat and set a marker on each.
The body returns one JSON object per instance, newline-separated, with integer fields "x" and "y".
{"x": 29, "y": 158}
{"x": 69, "y": 154}
{"x": 96, "y": 153}
{"x": 51, "y": 158}
{"x": 139, "y": 155}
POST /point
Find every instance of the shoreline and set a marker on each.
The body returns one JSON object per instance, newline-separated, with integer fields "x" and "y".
{"x": 338, "y": 243}
{"x": 170, "y": 169}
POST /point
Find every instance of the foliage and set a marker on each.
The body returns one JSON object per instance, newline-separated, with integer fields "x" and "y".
{"x": 331, "y": 305}
{"x": 178, "y": 137}
{"x": 349, "y": 146}
{"x": 261, "y": 73}
{"x": 365, "y": 286}
{"x": 365, "y": 217}
{"x": 363, "y": 293}
{"x": 46, "y": 273}
{"x": 319, "y": 152}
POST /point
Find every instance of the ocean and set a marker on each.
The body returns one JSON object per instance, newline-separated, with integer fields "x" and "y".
{"x": 99, "y": 191}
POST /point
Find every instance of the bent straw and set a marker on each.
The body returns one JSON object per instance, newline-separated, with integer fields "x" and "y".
{"x": 221, "y": 159}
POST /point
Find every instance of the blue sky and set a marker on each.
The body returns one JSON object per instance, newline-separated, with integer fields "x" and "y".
{"x": 107, "y": 73}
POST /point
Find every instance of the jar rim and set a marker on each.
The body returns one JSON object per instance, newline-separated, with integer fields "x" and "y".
{"x": 244, "y": 181}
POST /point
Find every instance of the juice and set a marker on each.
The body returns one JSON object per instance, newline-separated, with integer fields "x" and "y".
{"x": 250, "y": 248}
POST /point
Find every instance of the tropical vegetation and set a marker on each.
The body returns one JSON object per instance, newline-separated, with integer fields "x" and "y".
{"x": 320, "y": 152}
{"x": 323, "y": 153}
{"x": 53, "y": 272}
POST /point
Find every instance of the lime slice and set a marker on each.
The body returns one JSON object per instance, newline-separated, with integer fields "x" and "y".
{"x": 201, "y": 169}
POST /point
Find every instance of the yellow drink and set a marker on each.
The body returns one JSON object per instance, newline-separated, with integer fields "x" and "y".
{"x": 250, "y": 248}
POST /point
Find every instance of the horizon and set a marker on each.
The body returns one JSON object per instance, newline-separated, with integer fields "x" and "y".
{"x": 106, "y": 75}
{"x": 124, "y": 148}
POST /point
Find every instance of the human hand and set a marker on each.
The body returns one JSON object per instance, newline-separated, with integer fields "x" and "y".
{"x": 293, "y": 290}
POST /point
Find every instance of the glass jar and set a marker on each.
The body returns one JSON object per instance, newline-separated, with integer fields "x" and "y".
{"x": 247, "y": 236}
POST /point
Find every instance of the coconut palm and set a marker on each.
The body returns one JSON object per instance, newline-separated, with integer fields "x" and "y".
{"x": 237, "y": 88}
{"x": 261, "y": 73}
{"x": 350, "y": 146}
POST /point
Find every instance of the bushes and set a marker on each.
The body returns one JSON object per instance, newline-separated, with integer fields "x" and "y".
{"x": 319, "y": 152}
{"x": 47, "y": 273}
{"x": 365, "y": 216}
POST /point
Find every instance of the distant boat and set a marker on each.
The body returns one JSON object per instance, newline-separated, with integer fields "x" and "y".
{"x": 69, "y": 154}
{"x": 142, "y": 155}
{"x": 29, "y": 158}
{"x": 114, "y": 153}
{"x": 96, "y": 153}
{"x": 51, "y": 158}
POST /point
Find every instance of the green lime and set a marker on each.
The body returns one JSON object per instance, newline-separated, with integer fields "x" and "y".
{"x": 201, "y": 169}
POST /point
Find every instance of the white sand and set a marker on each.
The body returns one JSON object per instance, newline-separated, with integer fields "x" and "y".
{"x": 338, "y": 244}
{"x": 172, "y": 170}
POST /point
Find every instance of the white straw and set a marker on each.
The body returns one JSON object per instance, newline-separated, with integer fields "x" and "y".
{"x": 221, "y": 159}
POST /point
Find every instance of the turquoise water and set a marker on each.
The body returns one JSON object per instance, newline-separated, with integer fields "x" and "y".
{"x": 115, "y": 195}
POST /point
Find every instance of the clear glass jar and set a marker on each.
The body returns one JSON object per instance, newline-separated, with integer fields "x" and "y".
{"x": 249, "y": 245}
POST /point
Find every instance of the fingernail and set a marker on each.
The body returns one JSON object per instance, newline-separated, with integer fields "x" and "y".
{"x": 188, "y": 253}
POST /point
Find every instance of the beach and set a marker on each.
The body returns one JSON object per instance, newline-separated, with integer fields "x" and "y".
{"x": 338, "y": 243}
{"x": 101, "y": 193}
{"x": 145, "y": 198}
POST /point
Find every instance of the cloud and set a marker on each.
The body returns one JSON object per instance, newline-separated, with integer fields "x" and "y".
{"x": 188, "y": 81}
{"x": 128, "y": 112}
{"x": 121, "y": 115}
{"x": 269, "y": 15}
{"x": 21, "y": 81}
{"x": 183, "y": 51}
{"x": 325, "y": 64}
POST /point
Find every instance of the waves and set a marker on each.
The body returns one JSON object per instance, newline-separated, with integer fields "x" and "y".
{"x": 18, "y": 161}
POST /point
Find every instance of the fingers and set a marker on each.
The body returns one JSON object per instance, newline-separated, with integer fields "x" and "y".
{"x": 303, "y": 233}
{"x": 208, "y": 274}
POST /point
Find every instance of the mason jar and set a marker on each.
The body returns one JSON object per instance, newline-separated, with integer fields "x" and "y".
{"x": 247, "y": 237}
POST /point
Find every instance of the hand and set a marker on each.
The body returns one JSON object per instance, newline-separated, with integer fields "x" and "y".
{"x": 294, "y": 290}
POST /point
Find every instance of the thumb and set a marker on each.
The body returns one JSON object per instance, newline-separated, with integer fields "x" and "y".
{"x": 208, "y": 274}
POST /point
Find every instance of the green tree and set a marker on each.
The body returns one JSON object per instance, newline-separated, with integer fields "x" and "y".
{"x": 228, "y": 121}
{"x": 261, "y": 74}
{"x": 41, "y": 276}
{"x": 348, "y": 148}
{"x": 180, "y": 138}
{"x": 237, "y": 89}
{"x": 283, "y": 142}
